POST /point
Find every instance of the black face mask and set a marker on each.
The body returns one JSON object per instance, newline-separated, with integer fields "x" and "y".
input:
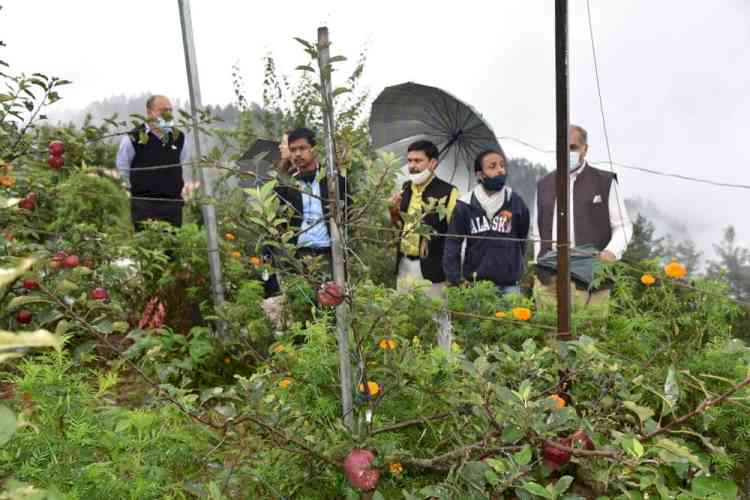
{"x": 494, "y": 183}
{"x": 307, "y": 177}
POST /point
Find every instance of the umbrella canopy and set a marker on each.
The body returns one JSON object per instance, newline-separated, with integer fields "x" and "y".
{"x": 584, "y": 264}
{"x": 260, "y": 160}
{"x": 405, "y": 113}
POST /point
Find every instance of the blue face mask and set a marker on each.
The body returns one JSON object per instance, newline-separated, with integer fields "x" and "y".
{"x": 494, "y": 183}
{"x": 574, "y": 160}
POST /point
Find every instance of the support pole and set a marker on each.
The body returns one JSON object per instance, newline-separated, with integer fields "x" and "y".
{"x": 563, "y": 174}
{"x": 336, "y": 225}
{"x": 209, "y": 212}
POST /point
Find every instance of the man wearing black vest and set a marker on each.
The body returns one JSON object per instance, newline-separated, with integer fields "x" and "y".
{"x": 493, "y": 221}
{"x": 307, "y": 196}
{"x": 154, "y": 144}
{"x": 597, "y": 218}
{"x": 418, "y": 257}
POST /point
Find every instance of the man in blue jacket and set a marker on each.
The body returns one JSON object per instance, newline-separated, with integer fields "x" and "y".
{"x": 494, "y": 223}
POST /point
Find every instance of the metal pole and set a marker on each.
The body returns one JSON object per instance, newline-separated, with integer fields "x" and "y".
{"x": 209, "y": 213}
{"x": 563, "y": 175}
{"x": 337, "y": 249}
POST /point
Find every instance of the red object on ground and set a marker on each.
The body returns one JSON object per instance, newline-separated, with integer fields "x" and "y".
{"x": 99, "y": 294}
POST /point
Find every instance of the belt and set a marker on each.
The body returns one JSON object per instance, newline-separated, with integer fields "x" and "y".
{"x": 412, "y": 257}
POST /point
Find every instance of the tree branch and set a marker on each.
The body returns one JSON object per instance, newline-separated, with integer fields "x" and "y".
{"x": 697, "y": 411}
{"x": 411, "y": 423}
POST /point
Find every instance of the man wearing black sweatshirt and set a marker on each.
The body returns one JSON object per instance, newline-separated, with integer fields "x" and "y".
{"x": 494, "y": 223}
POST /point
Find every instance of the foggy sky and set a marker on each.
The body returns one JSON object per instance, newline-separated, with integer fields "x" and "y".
{"x": 674, "y": 74}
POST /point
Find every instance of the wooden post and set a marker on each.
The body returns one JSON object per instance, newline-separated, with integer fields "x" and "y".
{"x": 336, "y": 225}
{"x": 563, "y": 174}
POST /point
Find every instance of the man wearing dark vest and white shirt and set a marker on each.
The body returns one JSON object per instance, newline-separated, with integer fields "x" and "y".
{"x": 156, "y": 143}
{"x": 418, "y": 257}
{"x": 597, "y": 217}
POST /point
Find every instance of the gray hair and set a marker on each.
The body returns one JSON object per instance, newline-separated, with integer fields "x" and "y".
{"x": 582, "y": 131}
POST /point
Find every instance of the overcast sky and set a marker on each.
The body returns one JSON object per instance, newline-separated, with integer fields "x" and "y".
{"x": 675, "y": 75}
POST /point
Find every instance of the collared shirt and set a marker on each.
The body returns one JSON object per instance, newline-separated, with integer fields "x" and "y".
{"x": 313, "y": 232}
{"x": 411, "y": 239}
{"x": 126, "y": 153}
{"x": 619, "y": 222}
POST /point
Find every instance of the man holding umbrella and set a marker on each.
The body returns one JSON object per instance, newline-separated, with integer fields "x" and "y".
{"x": 599, "y": 228}
{"x": 430, "y": 200}
{"x": 494, "y": 222}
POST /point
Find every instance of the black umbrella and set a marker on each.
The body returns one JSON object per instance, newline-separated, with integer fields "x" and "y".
{"x": 584, "y": 263}
{"x": 404, "y": 113}
{"x": 260, "y": 160}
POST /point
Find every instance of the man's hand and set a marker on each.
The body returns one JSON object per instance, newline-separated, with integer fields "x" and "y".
{"x": 394, "y": 208}
{"x": 189, "y": 189}
{"x": 607, "y": 256}
{"x": 286, "y": 157}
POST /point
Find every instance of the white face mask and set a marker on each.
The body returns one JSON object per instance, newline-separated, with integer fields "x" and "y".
{"x": 164, "y": 125}
{"x": 574, "y": 160}
{"x": 421, "y": 177}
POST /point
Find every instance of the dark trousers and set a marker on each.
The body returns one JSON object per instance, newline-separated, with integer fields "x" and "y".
{"x": 167, "y": 211}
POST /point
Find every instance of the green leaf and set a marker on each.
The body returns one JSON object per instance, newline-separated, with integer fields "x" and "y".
{"x": 523, "y": 457}
{"x": 305, "y": 67}
{"x": 538, "y": 490}
{"x": 25, "y": 300}
{"x": 336, "y": 59}
{"x": 7, "y": 424}
{"x": 104, "y": 327}
{"x": 563, "y": 484}
{"x": 674, "y": 452}
{"x": 643, "y": 412}
{"x": 305, "y": 43}
{"x": 12, "y": 345}
{"x": 340, "y": 90}
{"x": 8, "y": 276}
{"x": 120, "y": 326}
{"x": 713, "y": 487}
{"x": 6, "y": 202}
{"x": 633, "y": 446}
{"x": 671, "y": 390}
{"x": 378, "y": 496}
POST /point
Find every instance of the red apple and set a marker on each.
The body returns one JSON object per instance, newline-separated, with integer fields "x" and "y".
{"x": 55, "y": 162}
{"x": 99, "y": 294}
{"x": 358, "y": 471}
{"x": 56, "y": 148}
{"x": 30, "y": 284}
{"x": 330, "y": 294}
{"x": 71, "y": 262}
{"x": 554, "y": 458}
{"x": 24, "y": 316}
{"x": 579, "y": 439}
{"x": 28, "y": 203}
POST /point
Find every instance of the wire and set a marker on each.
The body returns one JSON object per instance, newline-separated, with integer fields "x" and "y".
{"x": 634, "y": 167}
{"x": 604, "y": 123}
